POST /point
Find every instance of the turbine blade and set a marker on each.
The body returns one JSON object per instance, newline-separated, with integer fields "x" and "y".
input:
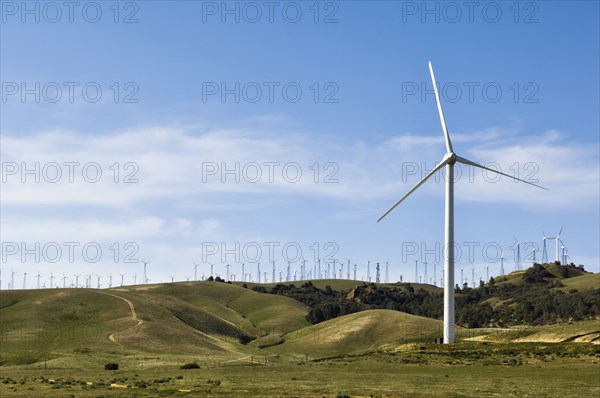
{"x": 432, "y": 172}
{"x": 440, "y": 111}
{"x": 471, "y": 163}
{"x": 561, "y": 228}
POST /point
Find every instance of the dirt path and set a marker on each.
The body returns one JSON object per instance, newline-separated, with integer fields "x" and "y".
{"x": 134, "y": 316}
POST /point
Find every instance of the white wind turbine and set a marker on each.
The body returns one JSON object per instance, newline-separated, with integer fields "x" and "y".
{"x": 557, "y": 239}
{"x": 196, "y": 271}
{"x": 448, "y": 161}
{"x": 518, "y": 263}
{"x": 544, "y": 250}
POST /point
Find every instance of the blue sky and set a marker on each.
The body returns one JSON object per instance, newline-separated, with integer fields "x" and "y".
{"x": 519, "y": 85}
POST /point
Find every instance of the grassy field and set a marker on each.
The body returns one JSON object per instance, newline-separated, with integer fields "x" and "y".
{"x": 411, "y": 370}
{"x": 55, "y": 342}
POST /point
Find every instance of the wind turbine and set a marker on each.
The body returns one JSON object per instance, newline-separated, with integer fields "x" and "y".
{"x": 227, "y": 273}
{"x": 348, "y": 270}
{"x": 387, "y": 275}
{"x": 558, "y": 240}
{"x": 122, "y": 278}
{"x": 77, "y": 280}
{"x": 501, "y": 263}
{"x": 518, "y": 264}
{"x": 12, "y": 279}
{"x": 51, "y": 279}
{"x": 172, "y": 277}
{"x": 354, "y": 269}
{"x": 24, "y": 280}
{"x": 416, "y": 271}
{"x": 196, "y": 271}
{"x": 448, "y": 161}
{"x": 545, "y": 251}
{"x": 38, "y": 276}
{"x": 145, "y": 280}
{"x": 319, "y": 271}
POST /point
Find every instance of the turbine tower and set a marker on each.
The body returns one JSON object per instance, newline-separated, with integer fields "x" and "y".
{"x": 24, "y": 280}
{"x": 38, "y": 276}
{"x": 518, "y": 263}
{"x": 387, "y": 275}
{"x": 544, "y": 250}
{"x": 145, "y": 280}
{"x": 448, "y": 161}
{"x": 348, "y": 270}
{"x": 319, "y": 268}
{"x": 416, "y": 271}
{"x": 196, "y": 271}
{"x": 557, "y": 239}
{"x": 273, "y": 276}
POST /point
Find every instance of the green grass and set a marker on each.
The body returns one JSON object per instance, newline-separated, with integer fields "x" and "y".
{"x": 62, "y": 334}
{"x": 421, "y": 370}
{"x": 359, "y": 332}
{"x": 582, "y": 282}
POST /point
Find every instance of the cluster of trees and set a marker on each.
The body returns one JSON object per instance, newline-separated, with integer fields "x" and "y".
{"x": 534, "y": 302}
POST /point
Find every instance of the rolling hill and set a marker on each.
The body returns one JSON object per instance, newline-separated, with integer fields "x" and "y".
{"x": 228, "y": 320}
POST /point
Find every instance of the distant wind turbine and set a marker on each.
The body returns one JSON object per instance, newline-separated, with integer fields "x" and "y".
{"x": 196, "y": 271}
{"x": 145, "y": 280}
{"x": 448, "y": 161}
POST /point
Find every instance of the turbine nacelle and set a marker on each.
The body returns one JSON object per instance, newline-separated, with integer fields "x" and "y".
{"x": 449, "y": 158}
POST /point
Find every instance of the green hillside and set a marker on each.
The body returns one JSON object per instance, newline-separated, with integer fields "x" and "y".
{"x": 358, "y": 333}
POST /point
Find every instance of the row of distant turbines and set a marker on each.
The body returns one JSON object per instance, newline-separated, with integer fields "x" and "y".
{"x": 425, "y": 272}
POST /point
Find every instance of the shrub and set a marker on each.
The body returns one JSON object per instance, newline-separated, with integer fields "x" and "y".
{"x": 111, "y": 366}
{"x": 191, "y": 365}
